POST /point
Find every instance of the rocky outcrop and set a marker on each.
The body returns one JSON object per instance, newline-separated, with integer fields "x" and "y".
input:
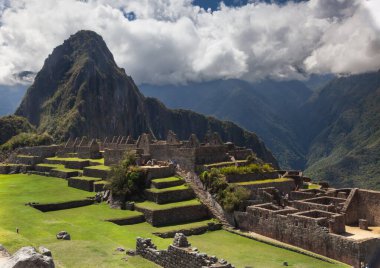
{"x": 28, "y": 257}
{"x": 80, "y": 91}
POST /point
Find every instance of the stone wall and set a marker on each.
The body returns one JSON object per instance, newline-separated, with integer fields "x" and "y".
{"x": 96, "y": 173}
{"x": 82, "y": 184}
{"x": 41, "y": 151}
{"x": 282, "y": 186}
{"x": 369, "y": 206}
{"x": 317, "y": 231}
{"x": 63, "y": 205}
{"x": 175, "y": 215}
{"x": 233, "y": 178}
{"x": 169, "y": 196}
{"x": 179, "y": 254}
{"x": 128, "y": 221}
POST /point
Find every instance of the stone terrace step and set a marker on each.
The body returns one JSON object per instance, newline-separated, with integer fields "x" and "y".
{"x": 173, "y": 213}
{"x": 43, "y": 167}
{"x": 138, "y": 218}
{"x": 82, "y": 183}
{"x": 99, "y": 185}
{"x": 193, "y": 228}
{"x": 100, "y": 171}
{"x": 64, "y": 173}
{"x": 167, "y": 182}
{"x": 169, "y": 195}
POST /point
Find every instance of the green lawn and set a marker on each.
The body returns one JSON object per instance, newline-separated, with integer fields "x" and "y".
{"x": 94, "y": 240}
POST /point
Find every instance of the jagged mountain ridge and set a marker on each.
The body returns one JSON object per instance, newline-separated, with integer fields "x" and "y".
{"x": 81, "y": 91}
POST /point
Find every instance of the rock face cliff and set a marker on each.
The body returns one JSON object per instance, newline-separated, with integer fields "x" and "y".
{"x": 81, "y": 91}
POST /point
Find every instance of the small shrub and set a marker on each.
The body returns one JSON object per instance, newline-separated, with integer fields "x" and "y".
{"x": 126, "y": 179}
{"x": 26, "y": 139}
{"x": 229, "y": 196}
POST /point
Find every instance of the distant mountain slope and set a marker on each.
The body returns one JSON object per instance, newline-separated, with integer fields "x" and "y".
{"x": 267, "y": 108}
{"x": 343, "y": 131}
{"x": 333, "y": 132}
{"x": 81, "y": 91}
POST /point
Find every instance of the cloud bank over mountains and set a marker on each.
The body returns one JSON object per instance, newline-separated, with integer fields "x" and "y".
{"x": 175, "y": 42}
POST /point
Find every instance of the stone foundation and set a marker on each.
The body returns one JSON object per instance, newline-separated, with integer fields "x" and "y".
{"x": 179, "y": 254}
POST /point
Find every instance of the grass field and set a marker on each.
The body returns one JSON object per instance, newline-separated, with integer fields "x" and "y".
{"x": 94, "y": 240}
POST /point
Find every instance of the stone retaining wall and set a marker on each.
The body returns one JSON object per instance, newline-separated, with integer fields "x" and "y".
{"x": 85, "y": 185}
{"x": 193, "y": 231}
{"x": 128, "y": 221}
{"x": 63, "y": 174}
{"x": 73, "y": 164}
{"x": 96, "y": 173}
{"x": 170, "y": 196}
{"x": 63, "y": 205}
{"x": 174, "y": 215}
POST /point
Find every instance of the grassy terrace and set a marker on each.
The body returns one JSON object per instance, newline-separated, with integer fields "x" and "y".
{"x": 99, "y": 167}
{"x": 263, "y": 181}
{"x": 55, "y": 166}
{"x": 170, "y": 189}
{"x": 85, "y": 178}
{"x": 64, "y": 159}
{"x": 94, "y": 240}
{"x": 169, "y": 179}
{"x": 153, "y": 206}
{"x": 63, "y": 169}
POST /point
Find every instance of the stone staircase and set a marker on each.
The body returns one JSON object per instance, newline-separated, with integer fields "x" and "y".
{"x": 205, "y": 197}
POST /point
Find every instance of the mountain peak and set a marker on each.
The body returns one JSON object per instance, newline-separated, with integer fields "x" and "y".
{"x": 80, "y": 91}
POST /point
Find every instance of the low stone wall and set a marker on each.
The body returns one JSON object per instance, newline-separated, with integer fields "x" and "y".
{"x": 63, "y": 174}
{"x": 43, "y": 168}
{"x": 128, "y": 221}
{"x": 179, "y": 254}
{"x": 174, "y": 215}
{"x": 154, "y": 172}
{"x": 193, "y": 231}
{"x": 169, "y": 196}
{"x": 168, "y": 184}
{"x": 28, "y": 160}
{"x": 76, "y": 164}
{"x": 96, "y": 173}
{"x": 41, "y": 151}
{"x": 233, "y": 178}
{"x": 14, "y": 168}
{"x": 283, "y": 186}
{"x": 63, "y": 205}
{"x": 85, "y": 185}
{"x": 113, "y": 156}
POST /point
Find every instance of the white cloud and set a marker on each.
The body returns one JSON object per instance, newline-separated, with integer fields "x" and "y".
{"x": 172, "y": 41}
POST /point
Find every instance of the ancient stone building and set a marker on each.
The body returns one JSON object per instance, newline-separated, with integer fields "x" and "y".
{"x": 187, "y": 153}
{"x": 343, "y": 224}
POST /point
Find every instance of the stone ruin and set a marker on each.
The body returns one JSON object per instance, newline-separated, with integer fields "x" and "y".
{"x": 332, "y": 222}
{"x": 26, "y": 257}
{"x": 188, "y": 154}
{"x": 83, "y": 148}
{"x": 178, "y": 254}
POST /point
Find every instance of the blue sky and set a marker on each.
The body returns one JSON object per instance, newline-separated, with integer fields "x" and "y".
{"x": 213, "y": 4}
